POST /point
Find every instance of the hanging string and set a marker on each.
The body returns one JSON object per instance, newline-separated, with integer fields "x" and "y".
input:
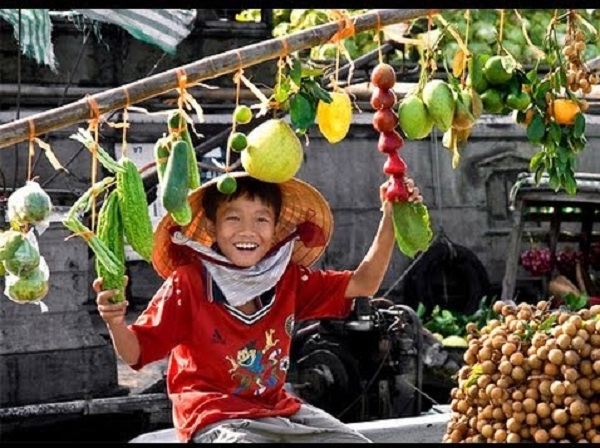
{"x": 93, "y": 126}
{"x": 463, "y": 79}
{"x": 182, "y": 83}
{"x": 346, "y": 29}
{"x": 286, "y": 49}
{"x": 501, "y": 31}
{"x": 31, "y": 149}
{"x": 125, "y": 123}
{"x": 378, "y": 37}
{"x": 237, "y": 80}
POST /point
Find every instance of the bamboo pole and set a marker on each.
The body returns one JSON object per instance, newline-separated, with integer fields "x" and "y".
{"x": 206, "y": 68}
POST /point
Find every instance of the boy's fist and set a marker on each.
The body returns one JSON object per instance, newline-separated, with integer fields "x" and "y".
{"x": 111, "y": 313}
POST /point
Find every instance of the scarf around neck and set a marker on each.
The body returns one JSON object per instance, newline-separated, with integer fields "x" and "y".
{"x": 240, "y": 285}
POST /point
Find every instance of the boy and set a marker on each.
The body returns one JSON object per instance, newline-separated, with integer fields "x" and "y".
{"x": 237, "y": 278}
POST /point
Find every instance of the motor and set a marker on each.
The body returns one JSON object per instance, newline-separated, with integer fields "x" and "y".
{"x": 366, "y": 367}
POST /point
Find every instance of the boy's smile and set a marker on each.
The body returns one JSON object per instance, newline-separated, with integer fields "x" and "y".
{"x": 244, "y": 230}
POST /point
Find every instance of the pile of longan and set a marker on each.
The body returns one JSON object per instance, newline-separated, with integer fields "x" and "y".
{"x": 579, "y": 77}
{"x": 532, "y": 375}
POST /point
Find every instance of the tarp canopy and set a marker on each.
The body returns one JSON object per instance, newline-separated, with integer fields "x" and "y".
{"x": 164, "y": 28}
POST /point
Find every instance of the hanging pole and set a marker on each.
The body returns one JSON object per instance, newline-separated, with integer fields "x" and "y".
{"x": 206, "y": 68}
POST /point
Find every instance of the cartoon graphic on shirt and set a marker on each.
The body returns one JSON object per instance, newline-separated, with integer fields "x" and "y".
{"x": 257, "y": 369}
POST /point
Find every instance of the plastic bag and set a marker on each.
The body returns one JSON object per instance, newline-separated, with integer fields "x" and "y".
{"x": 26, "y": 258}
{"x": 30, "y": 204}
{"x": 10, "y": 240}
{"x": 29, "y": 288}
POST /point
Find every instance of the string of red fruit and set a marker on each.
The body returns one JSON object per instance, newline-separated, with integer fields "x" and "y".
{"x": 385, "y": 121}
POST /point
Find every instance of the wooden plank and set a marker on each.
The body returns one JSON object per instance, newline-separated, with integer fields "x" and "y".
{"x": 147, "y": 403}
{"x": 206, "y": 68}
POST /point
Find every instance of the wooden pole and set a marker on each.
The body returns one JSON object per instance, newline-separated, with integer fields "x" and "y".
{"x": 206, "y": 68}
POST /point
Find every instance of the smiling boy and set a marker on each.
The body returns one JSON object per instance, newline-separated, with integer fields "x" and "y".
{"x": 237, "y": 278}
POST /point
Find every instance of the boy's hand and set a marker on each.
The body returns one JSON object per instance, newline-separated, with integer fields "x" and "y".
{"x": 111, "y": 313}
{"x": 414, "y": 195}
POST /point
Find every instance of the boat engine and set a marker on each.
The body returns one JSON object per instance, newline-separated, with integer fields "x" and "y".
{"x": 365, "y": 367}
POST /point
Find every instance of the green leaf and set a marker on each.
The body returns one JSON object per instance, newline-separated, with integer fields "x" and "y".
{"x": 282, "y": 91}
{"x": 311, "y": 72}
{"x": 554, "y": 132}
{"x": 553, "y": 181}
{"x": 412, "y": 228}
{"x": 540, "y": 93}
{"x": 421, "y": 310}
{"x": 579, "y": 127}
{"x": 538, "y": 174}
{"x": 576, "y": 302}
{"x": 532, "y": 75}
{"x": 302, "y": 111}
{"x": 315, "y": 91}
{"x": 570, "y": 183}
{"x": 547, "y": 323}
{"x": 476, "y": 372}
{"x": 536, "y": 161}
{"x": 296, "y": 72}
{"x": 536, "y": 129}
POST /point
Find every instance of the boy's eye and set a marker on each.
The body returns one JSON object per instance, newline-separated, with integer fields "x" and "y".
{"x": 264, "y": 219}
{"x": 232, "y": 218}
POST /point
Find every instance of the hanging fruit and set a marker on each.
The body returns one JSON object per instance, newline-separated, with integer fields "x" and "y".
{"x": 334, "y": 118}
{"x": 385, "y": 121}
{"x": 242, "y": 114}
{"x": 412, "y": 229}
{"x": 274, "y": 152}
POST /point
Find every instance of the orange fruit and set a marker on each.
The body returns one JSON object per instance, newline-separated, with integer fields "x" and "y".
{"x": 565, "y": 111}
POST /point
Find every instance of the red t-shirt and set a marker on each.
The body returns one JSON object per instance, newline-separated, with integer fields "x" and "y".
{"x": 225, "y": 364}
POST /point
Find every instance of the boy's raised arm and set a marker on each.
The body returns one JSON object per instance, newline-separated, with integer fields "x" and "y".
{"x": 369, "y": 274}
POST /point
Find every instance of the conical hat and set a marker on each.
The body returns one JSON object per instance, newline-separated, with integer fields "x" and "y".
{"x": 302, "y": 208}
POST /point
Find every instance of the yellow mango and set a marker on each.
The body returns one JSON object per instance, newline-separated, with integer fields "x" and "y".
{"x": 334, "y": 118}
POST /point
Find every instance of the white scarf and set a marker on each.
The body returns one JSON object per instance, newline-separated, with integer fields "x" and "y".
{"x": 241, "y": 285}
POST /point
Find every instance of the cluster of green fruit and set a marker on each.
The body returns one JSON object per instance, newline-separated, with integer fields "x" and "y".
{"x": 485, "y": 23}
{"x": 499, "y": 82}
{"x": 26, "y": 271}
{"x": 441, "y": 104}
{"x": 237, "y": 141}
{"x": 271, "y": 152}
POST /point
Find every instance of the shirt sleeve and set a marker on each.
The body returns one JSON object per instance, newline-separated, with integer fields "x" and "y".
{"x": 320, "y": 294}
{"x": 164, "y": 323}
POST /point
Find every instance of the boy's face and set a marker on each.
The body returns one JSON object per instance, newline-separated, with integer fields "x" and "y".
{"x": 245, "y": 229}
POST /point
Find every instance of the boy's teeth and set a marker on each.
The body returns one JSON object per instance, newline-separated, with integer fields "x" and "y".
{"x": 246, "y": 246}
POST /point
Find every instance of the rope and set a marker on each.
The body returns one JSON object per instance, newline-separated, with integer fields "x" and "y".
{"x": 181, "y": 82}
{"x": 31, "y": 148}
{"x": 501, "y": 30}
{"x": 237, "y": 80}
{"x": 378, "y": 36}
{"x": 463, "y": 79}
{"x": 125, "y": 122}
{"x": 346, "y": 26}
{"x": 346, "y": 29}
{"x": 286, "y": 49}
{"x": 93, "y": 125}
{"x": 239, "y": 58}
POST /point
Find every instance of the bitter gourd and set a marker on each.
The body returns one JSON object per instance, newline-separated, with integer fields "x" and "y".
{"x": 134, "y": 209}
{"x": 110, "y": 232}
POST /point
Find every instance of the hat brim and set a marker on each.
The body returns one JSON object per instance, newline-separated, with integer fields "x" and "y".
{"x": 300, "y": 203}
